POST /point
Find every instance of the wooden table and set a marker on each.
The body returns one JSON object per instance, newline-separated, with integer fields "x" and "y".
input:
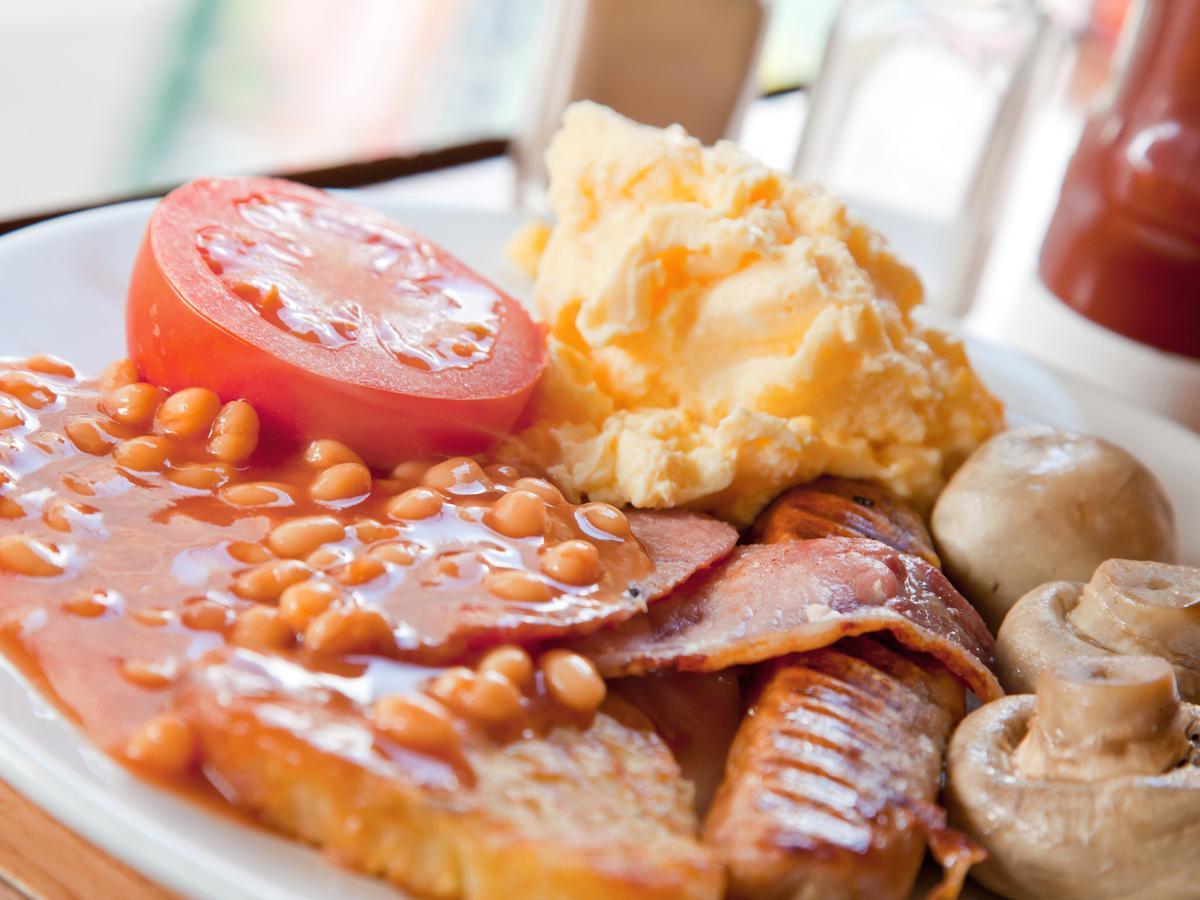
{"x": 41, "y": 858}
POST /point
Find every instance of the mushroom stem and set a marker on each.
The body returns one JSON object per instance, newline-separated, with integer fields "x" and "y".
{"x": 1104, "y": 717}
{"x": 1142, "y": 607}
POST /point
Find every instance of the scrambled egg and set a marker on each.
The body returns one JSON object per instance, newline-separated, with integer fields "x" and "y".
{"x": 720, "y": 332}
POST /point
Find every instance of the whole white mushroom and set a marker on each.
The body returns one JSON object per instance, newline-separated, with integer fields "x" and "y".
{"x": 1089, "y": 790}
{"x": 1039, "y": 504}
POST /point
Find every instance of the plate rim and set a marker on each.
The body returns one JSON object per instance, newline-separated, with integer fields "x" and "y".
{"x": 175, "y": 859}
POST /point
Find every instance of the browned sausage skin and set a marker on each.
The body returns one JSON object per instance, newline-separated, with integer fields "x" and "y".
{"x": 831, "y": 784}
{"x": 830, "y": 789}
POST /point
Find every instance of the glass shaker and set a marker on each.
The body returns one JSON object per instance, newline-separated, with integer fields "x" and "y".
{"x": 913, "y": 122}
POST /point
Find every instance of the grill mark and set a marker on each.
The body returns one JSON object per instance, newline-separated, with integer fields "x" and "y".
{"x": 827, "y": 763}
{"x": 802, "y": 783}
{"x": 867, "y": 682}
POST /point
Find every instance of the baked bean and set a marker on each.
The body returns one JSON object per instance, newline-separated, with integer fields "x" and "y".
{"x": 248, "y": 553}
{"x": 133, "y": 404}
{"x": 572, "y": 562}
{"x": 518, "y": 587}
{"x": 350, "y": 629}
{"x": 152, "y": 675}
{"x": 89, "y": 606}
{"x": 234, "y": 435}
{"x": 89, "y": 437}
{"x": 417, "y": 722}
{"x": 166, "y": 745}
{"x": 259, "y": 493}
{"x": 154, "y": 617}
{"x": 390, "y": 486}
{"x": 325, "y": 453}
{"x": 573, "y": 680}
{"x": 57, "y": 513}
{"x": 300, "y": 537}
{"x": 266, "y": 582}
{"x": 201, "y": 476}
{"x": 86, "y": 607}
{"x": 360, "y": 570}
{"x": 189, "y": 412}
{"x": 10, "y": 415}
{"x": 303, "y": 602}
{"x": 10, "y": 508}
{"x": 541, "y": 487}
{"x": 79, "y": 485}
{"x": 415, "y": 503}
{"x": 28, "y": 389}
{"x": 341, "y": 482}
{"x": 261, "y": 628}
{"x": 399, "y": 554}
{"x": 502, "y": 472}
{"x": 24, "y": 555}
{"x": 49, "y": 442}
{"x": 147, "y": 453}
{"x": 205, "y": 615}
{"x": 369, "y": 531}
{"x": 452, "y": 686}
{"x": 117, "y": 375}
{"x": 518, "y": 514}
{"x": 492, "y": 698}
{"x": 412, "y": 471}
{"x": 605, "y": 517}
{"x": 326, "y": 558}
{"x": 50, "y": 365}
{"x": 458, "y": 474}
{"x": 448, "y": 567}
{"x": 510, "y": 661}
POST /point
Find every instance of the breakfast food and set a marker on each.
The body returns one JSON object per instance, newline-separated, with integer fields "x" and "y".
{"x": 817, "y": 592}
{"x": 125, "y": 496}
{"x": 1035, "y": 505}
{"x": 696, "y": 714}
{"x": 192, "y": 606}
{"x": 578, "y": 806}
{"x": 831, "y": 785}
{"x": 1127, "y": 609}
{"x": 720, "y": 332}
{"x": 842, "y": 507}
{"x": 1090, "y": 790}
{"x": 329, "y": 318}
{"x": 310, "y": 550}
{"x": 830, "y": 789}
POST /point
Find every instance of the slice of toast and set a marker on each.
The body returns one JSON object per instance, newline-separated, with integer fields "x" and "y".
{"x": 589, "y": 810}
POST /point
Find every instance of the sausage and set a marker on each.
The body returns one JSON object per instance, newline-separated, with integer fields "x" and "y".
{"x": 831, "y": 784}
{"x": 830, "y": 788}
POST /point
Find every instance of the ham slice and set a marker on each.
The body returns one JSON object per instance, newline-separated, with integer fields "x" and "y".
{"x": 771, "y": 600}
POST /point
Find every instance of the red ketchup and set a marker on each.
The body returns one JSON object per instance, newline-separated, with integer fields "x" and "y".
{"x": 1123, "y": 248}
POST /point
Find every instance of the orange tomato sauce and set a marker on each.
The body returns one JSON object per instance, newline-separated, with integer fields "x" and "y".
{"x": 145, "y": 547}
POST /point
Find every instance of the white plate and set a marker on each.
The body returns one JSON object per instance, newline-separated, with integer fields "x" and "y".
{"x": 62, "y": 287}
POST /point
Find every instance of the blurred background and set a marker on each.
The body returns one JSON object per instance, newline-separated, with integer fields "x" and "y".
{"x": 111, "y": 100}
{"x": 949, "y": 124}
{"x": 106, "y": 99}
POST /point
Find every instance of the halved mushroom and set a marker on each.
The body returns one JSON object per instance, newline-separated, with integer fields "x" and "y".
{"x": 1040, "y": 504}
{"x": 1127, "y": 608}
{"x": 1091, "y": 789}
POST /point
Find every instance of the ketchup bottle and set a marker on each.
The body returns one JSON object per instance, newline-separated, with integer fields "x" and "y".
{"x": 1123, "y": 246}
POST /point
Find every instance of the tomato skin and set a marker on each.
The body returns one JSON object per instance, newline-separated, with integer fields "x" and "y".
{"x": 178, "y": 324}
